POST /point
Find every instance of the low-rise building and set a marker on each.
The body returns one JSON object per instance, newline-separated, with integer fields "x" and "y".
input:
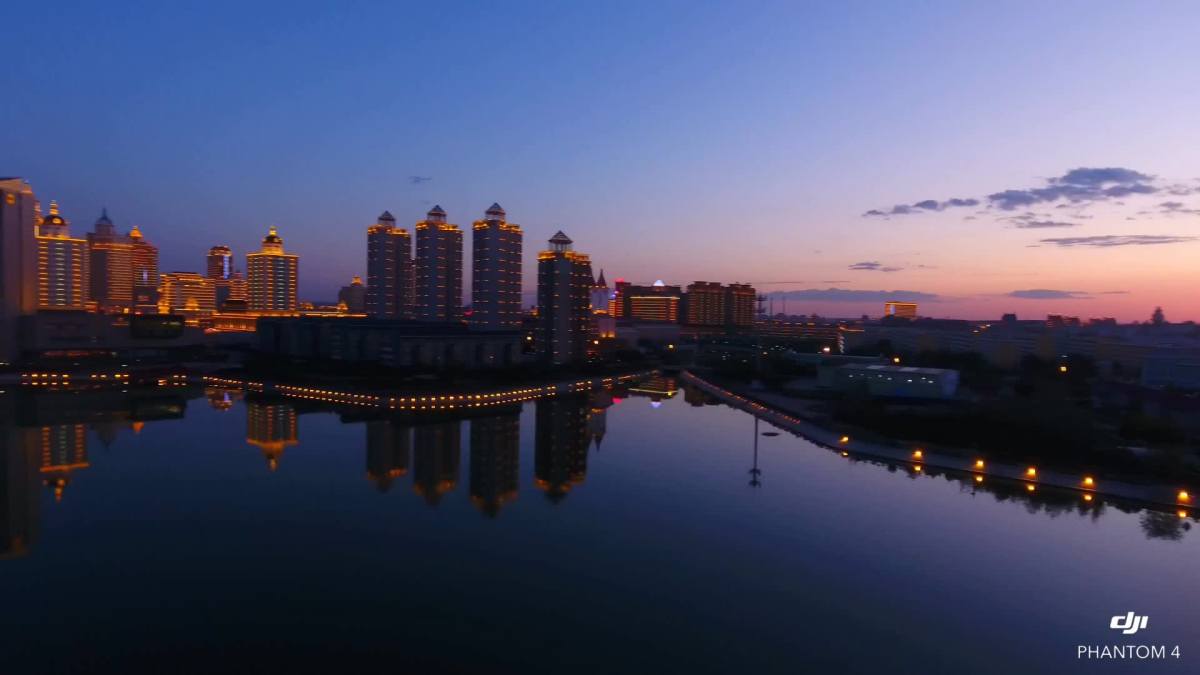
{"x": 393, "y": 343}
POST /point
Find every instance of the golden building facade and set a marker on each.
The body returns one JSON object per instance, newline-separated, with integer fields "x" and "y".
{"x": 188, "y": 294}
{"x": 63, "y": 263}
{"x": 272, "y": 276}
{"x": 496, "y": 272}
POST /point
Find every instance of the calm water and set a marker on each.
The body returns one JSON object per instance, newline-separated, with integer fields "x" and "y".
{"x": 580, "y": 534}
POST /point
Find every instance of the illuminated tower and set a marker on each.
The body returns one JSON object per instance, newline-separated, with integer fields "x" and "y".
{"x": 18, "y": 262}
{"x": 388, "y": 448}
{"x": 353, "y": 297}
{"x": 145, "y": 273}
{"x": 495, "y": 458}
{"x": 62, "y": 264}
{"x": 389, "y": 270}
{"x": 496, "y": 280}
{"x": 564, "y": 302}
{"x": 436, "y": 459}
{"x": 271, "y": 428}
{"x": 438, "y": 269}
{"x": 111, "y": 266}
{"x": 219, "y": 263}
{"x": 272, "y": 276}
{"x": 561, "y": 443}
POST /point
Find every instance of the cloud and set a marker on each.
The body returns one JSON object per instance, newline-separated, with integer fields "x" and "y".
{"x": 1110, "y": 240}
{"x": 417, "y": 180}
{"x": 1049, "y": 294}
{"x": 1078, "y": 186}
{"x": 874, "y": 266}
{"x": 923, "y": 205}
{"x": 1173, "y": 207}
{"x": 1032, "y": 221}
{"x": 849, "y": 295}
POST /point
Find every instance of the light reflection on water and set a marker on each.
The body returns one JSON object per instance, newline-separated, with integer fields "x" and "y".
{"x": 588, "y": 532}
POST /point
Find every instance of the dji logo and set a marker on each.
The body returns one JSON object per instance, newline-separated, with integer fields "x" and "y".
{"x": 1129, "y": 624}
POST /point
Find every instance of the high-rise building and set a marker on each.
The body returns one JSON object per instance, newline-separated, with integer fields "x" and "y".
{"x": 111, "y": 266}
{"x": 438, "y": 269}
{"x": 354, "y": 296}
{"x": 219, "y": 263}
{"x": 144, "y": 257}
{"x": 496, "y": 278}
{"x": 740, "y": 305}
{"x": 188, "y": 294}
{"x": 271, "y": 428}
{"x": 705, "y": 304}
{"x": 564, "y": 304}
{"x": 228, "y": 283}
{"x": 273, "y": 276}
{"x": 604, "y": 323}
{"x": 495, "y": 458}
{"x": 436, "y": 459}
{"x": 389, "y": 292}
{"x": 62, "y": 264}
{"x": 18, "y": 262}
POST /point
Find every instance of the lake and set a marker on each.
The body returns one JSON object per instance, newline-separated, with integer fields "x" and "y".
{"x": 632, "y": 530}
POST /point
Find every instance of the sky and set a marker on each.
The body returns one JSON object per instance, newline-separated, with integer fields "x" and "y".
{"x": 979, "y": 158}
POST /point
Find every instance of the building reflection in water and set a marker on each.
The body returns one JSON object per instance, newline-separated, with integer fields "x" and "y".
{"x": 18, "y": 489}
{"x": 272, "y": 428}
{"x": 222, "y": 399}
{"x": 602, "y": 400}
{"x": 436, "y": 459}
{"x": 561, "y": 443}
{"x": 495, "y": 460}
{"x": 388, "y": 448}
{"x": 657, "y": 388}
{"x": 63, "y": 449}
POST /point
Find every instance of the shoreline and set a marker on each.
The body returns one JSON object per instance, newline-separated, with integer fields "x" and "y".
{"x": 1157, "y": 494}
{"x": 430, "y": 402}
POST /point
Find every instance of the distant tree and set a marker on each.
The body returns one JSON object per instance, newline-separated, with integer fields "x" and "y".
{"x": 1158, "y": 318}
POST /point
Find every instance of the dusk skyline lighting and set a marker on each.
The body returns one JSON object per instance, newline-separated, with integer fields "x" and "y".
{"x": 974, "y": 159}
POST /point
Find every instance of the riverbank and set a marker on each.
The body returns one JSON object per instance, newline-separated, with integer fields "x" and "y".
{"x": 1088, "y": 486}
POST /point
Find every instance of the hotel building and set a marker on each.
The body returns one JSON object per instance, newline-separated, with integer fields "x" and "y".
{"x": 62, "y": 265}
{"x": 438, "y": 269}
{"x": 273, "y": 276}
{"x": 496, "y": 281}
{"x": 188, "y": 294}
{"x": 389, "y": 291}
{"x": 111, "y": 267}
{"x": 564, "y": 304}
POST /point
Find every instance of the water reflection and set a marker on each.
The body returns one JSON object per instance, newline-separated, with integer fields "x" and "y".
{"x": 495, "y": 460}
{"x": 389, "y": 446}
{"x": 44, "y": 447}
{"x": 272, "y": 428}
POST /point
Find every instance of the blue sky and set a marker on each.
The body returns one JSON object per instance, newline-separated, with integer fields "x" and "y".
{"x": 679, "y": 141}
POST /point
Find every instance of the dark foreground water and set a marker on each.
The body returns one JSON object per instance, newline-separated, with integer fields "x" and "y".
{"x": 582, "y": 534}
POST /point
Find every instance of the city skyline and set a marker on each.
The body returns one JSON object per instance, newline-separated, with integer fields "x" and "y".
{"x": 795, "y": 139}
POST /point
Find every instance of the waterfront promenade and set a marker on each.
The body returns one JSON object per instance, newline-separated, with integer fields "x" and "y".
{"x": 1090, "y": 487}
